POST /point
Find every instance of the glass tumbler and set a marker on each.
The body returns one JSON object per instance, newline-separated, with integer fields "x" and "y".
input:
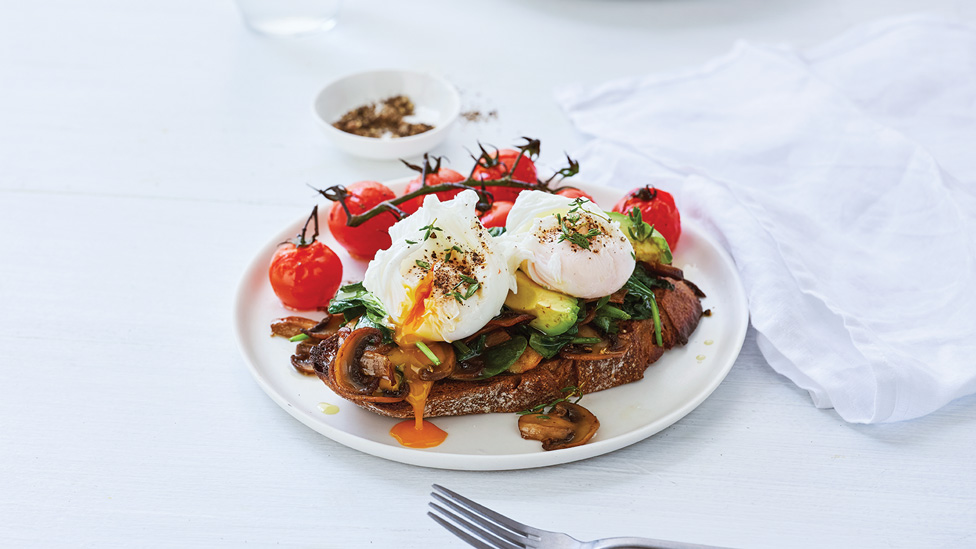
{"x": 289, "y": 17}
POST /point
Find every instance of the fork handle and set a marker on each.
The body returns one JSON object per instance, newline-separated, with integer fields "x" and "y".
{"x": 610, "y": 543}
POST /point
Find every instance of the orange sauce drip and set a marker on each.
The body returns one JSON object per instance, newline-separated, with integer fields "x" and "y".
{"x": 422, "y": 434}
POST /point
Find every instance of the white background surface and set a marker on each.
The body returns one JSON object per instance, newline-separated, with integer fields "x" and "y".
{"x": 148, "y": 149}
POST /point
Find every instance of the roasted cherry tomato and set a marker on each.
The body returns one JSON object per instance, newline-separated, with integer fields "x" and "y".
{"x": 572, "y": 192}
{"x": 498, "y": 165}
{"x": 657, "y": 208}
{"x": 444, "y": 175}
{"x": 363, "y": 241}
{"x": 497, "y": 215}
{"x": 305, "y": 274}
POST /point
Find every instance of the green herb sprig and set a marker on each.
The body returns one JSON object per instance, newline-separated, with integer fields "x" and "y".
{"x": 429, "y": 229}
{"x": 571, "y": 393}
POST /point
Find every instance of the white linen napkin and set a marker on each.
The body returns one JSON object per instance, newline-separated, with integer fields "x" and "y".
{"x": 842, "y": 179}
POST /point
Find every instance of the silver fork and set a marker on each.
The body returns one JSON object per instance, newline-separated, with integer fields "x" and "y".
{"x": 487, "y": 529}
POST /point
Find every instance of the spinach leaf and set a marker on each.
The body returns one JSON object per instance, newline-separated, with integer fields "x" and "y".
{"x": 607, "y": 317}
{"x": 499, "y": 358}
{"x": 548, "y": 346}
{"x": 464, "y": 352}
{"x": 355, "y": 302}
{"x": 640, "y": 302}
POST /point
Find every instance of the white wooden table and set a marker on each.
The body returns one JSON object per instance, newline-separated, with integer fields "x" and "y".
{"x": 148, "y": 149}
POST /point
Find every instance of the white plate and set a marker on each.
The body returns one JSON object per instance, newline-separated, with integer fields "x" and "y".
{"x": 672, "y": 387}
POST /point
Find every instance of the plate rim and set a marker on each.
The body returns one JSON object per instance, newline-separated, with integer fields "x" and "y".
{"x": 496, "y": 462}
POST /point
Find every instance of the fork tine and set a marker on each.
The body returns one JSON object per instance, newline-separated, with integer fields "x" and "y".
{"x": 471, "y": 540}
{"x": 484, "y": 522}
{"x": 512, "y": 525}
{"x": 493, "y": 541}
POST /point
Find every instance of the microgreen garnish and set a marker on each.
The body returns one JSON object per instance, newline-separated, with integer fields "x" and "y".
{"x": 423, "y": 264}
{"x": 580, "y": 239}
{"x": 577, "y": 204}
{"x": 452, "y": 249}
{"x": 430, "y": 354}
{"x": 297, "y": 338}
{"x": 472, "y": 288}
{"x": 639, "y": 230}
{"x": 429, "y": 229}
{"x": 567, "y": 225}
{"x": 572, "y": 392}
{"x": 411, "y": 242}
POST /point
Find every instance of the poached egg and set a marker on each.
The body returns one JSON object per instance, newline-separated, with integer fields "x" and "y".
{"x": 444, "y": 277}
{"x": 568, "y": 245}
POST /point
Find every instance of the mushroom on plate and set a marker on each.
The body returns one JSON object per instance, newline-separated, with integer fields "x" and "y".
{"x": 564, "y": 426}
{"x": 361, "y": 365}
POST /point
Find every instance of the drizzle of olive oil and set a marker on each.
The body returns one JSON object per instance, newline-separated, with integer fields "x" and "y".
{"x": 700, "y": 358}
{"x": 328, "y": 409}
{"x": 708, "y": 342}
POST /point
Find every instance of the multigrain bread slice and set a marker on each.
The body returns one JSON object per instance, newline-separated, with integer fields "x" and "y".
{"x": 680, "y": 311}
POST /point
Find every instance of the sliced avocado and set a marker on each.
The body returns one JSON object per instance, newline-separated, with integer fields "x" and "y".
{"x": 554, "y": 312}
{"x": 649, "y": 245}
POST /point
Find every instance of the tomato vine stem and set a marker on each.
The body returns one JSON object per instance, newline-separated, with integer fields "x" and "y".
{"x": 338, "y": 193}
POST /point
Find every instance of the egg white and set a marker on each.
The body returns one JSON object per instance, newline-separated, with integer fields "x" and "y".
{"x": 425, "y": 290}
{"x": 536, "y": 237}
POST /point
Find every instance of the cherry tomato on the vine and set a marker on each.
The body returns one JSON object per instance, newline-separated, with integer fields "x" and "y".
{"x": 572, "y": 192}
{"x": 657, "y": 208}
{"x": 497, "y": 215}
{"x": 498, "y": 165}
{"x": 363, "y": 241}
{"x": 305, "y": 274}
{"x": 443, "y": 175}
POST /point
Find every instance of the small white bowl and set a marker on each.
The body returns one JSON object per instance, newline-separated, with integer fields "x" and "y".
{"x": 436, "y": 102}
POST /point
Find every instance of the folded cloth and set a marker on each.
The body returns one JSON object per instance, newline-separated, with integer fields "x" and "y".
{"x": 842, "y": 180}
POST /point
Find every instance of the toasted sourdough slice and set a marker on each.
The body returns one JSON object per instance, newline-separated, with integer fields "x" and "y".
{"x": 680, "y": 311}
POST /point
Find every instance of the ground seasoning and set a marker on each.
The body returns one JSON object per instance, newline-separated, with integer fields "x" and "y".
{"x": 478, "y": 116}
{"x": 385, "y": 118}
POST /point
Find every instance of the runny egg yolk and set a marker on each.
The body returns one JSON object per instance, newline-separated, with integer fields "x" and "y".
{"x": 427, "y": 435}
{"x": 415, "y": 311}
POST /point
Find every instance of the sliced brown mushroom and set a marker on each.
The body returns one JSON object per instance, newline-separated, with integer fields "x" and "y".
{"x": 421, "y": 365}
{"x": 504, "y": 320}
{"x": 448, "y": 361}
{"x": 360, "y": 366}
{"x": 529, "y": 359}
{"x": 326, "y": 328}
{"x": 565, "y": 426}
{"x": 291, "y": 326}
{"x": 660, "y": 269}
{"x": 302, "y": 359}
{"x": 618, "y": 296}
{"x": 610, "y": 345}
{"x": 469, "y": 370}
